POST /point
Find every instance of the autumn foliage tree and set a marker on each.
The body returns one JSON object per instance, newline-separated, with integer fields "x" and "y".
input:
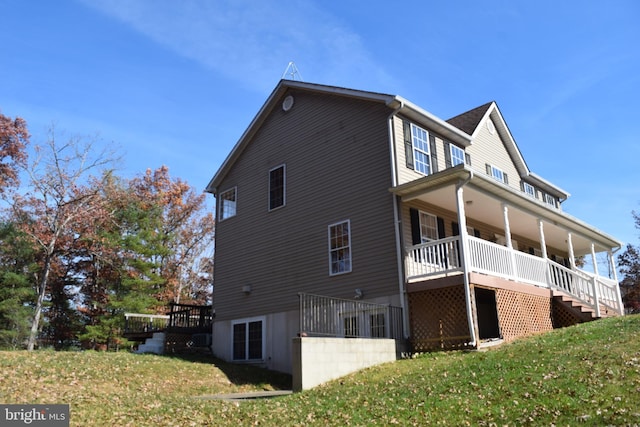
{"x": 629, "y": 263}
{"x": 82, "y": 246}
{"x": 58, "y": 196}
{"x": 14, "y": 138}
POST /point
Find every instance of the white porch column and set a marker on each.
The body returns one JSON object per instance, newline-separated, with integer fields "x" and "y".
{"x": 507, "y": 226}
{"x": 594, "y": 260}
{"x": 543, "y": 243}
{"x": 464, "y": 248}
{"x": 572, "y": 256}
{"x": 595, "y": 279}
{"x": 614, "y": 273}
{"x": 507, "y": 237}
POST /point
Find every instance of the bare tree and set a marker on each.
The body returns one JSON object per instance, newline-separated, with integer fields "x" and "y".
{"x": 65, "y": 180}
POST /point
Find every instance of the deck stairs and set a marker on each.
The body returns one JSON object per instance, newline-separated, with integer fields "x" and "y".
{"x": 579, "y": 308}
{"x": 154, "y": 345}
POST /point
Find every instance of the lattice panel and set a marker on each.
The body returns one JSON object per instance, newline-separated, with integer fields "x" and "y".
{"x": 438, "y": 319}
{"x": 563, "y": 317}
{"x": 522, "y": 314}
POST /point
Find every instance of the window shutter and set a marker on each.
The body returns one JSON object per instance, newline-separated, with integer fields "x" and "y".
{"x": 506, "y": 178}
{"x": 455, "y": 228}
{"x": 467, "y": 158}
{"x": 416, "y": 235}
{"x": 434, "y": 155}
{"x": 441, "y": 233}
{"x": 408, "y": 144}
{"x": 488, "y": 166}
{"x": 447, "y": 154}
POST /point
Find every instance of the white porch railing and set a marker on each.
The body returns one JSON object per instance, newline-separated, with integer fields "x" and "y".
{"x": 443, "y": 257}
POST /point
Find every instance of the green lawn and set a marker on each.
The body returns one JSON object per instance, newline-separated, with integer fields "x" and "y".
{"x": 585, "y": 375}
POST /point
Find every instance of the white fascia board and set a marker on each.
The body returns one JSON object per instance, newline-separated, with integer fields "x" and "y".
{"x": 422, "y": 116}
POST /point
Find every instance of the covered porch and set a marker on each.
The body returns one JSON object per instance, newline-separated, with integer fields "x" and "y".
{"x": 500, "y": 235}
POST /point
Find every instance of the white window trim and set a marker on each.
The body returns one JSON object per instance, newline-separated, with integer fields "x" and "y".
{"x": 284, "y": 187}
{"x": 427, "y": 153}
{"x": 221, "y": 207}
{"x": 494, "y": 171}
{"x": 435, "y": 218}
{"x": 529, "y": 189}
{"x": 550, "y": 200}
{"x": 331, "y": 273}
{"x": 246, "y": 321}
{"x": 453, "y": 148}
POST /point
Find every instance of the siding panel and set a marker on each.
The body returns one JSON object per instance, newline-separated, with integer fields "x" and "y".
{"x": 337, "y": 167}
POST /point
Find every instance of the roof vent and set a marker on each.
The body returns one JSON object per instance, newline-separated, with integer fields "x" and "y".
{"x": 287, "y": 103}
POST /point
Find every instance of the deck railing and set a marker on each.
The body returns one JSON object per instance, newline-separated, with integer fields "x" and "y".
{"x": 335, "y": 317}
{"x": 190, "y": 317}
{"x": 138, "y": 323}
{"x": 443, "y": 257}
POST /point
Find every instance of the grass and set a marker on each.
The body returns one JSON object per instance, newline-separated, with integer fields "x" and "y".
{"x": 586, "y": 375}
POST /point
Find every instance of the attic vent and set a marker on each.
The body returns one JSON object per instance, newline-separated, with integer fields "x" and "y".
{"x": 491, "y": 127}
{"x": 287, "y": 103}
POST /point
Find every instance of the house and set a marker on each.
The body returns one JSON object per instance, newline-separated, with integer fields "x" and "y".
{"x": 358, "y": 215}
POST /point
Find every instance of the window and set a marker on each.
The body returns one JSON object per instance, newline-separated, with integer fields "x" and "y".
{"x": 529, "y": 189}
{"x": 497, "y": 174}
{"x": 276, "y": 187}
{"x": 248, "y": 339}
{"x": 428, "y": 227}
{"x": 421, "y": 151}
{"x": 550, "y": 200}
{"x": 339, "y": 248}
{"x": 457, "y": 155}
{"x": 228, "y": 202}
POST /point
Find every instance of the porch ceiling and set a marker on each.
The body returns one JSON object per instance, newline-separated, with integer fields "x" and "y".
{"x": 483, "y": 198}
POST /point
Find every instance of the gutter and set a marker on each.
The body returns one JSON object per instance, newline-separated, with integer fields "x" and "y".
{"x": 465, "y": 269}
{"x": 396, "y": 222}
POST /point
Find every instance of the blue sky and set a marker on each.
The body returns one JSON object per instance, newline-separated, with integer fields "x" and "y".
{"x": 176, "y": 82}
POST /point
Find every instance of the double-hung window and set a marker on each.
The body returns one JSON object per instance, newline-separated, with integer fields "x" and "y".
{"x": 248, "y": 339}
{"x": 340, "y": 248}
{"x": 428, "y": 227}
{"x": 421, "y": 150}
{"x": 276, "y": 187}
{"x": 227, "y": 200}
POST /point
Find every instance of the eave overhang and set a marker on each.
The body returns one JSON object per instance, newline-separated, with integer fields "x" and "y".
{"x": 439, "y": 189}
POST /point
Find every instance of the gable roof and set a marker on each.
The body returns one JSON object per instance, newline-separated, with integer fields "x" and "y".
{"x": 395, "y": 103}
{"x": 472, "y": 121}
{"x": 469, "y": 121}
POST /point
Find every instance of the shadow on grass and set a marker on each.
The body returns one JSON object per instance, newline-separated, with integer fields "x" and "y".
{"x": 241, "y": 374}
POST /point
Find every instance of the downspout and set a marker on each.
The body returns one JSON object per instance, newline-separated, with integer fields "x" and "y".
{"x": 462, "y": 221}
{"x": 396, "y": 222}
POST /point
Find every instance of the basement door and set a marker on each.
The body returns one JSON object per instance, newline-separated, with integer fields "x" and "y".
{"x": 487, "y": 312}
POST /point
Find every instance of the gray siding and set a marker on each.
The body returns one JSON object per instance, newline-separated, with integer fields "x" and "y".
{"x": 336, "y": 152}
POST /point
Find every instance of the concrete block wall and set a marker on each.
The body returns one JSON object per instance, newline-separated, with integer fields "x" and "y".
{"x": 317, "y": 360}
